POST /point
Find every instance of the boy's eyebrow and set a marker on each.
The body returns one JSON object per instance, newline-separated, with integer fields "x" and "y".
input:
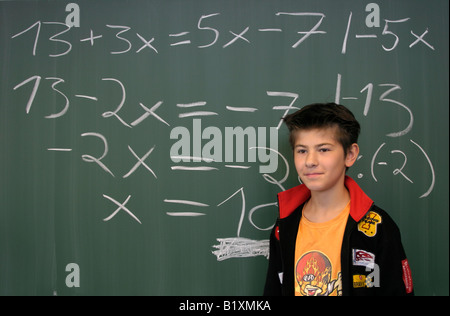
{"x": 325, "y": 144}
{"x": 318, "y": 145}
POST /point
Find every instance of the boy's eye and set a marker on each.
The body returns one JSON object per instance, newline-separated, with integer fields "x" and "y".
{"x": 322, "y": 150}
{"x": 301, "y": 151}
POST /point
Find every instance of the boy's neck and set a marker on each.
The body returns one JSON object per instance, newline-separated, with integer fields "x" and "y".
{"x": 324, "y": 206}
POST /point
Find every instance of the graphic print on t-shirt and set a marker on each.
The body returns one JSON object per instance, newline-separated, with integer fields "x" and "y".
{"x": 313, "y": 275}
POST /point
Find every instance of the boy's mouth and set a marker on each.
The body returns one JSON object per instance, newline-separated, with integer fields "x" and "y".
{"x": 313, "y": 175}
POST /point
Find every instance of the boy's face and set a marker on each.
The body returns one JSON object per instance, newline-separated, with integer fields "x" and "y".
{"x": 320, "y": 159}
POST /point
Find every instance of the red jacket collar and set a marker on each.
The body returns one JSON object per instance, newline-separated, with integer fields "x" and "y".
{"x": 289, "y": 200}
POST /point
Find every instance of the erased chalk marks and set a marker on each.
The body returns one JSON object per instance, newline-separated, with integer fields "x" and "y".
{"x": 239, "y": 247}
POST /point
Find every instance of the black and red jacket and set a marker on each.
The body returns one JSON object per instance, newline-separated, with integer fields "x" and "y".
{"x": 369, "y": 230}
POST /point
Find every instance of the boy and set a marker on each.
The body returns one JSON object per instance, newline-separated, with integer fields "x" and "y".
{"x": 330, "y": 238}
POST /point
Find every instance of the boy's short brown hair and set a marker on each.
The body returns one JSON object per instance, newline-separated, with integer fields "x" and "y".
{"x": 325, "y": 115}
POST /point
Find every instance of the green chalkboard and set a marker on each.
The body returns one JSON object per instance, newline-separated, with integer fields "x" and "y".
{"x": 141, "y": 144}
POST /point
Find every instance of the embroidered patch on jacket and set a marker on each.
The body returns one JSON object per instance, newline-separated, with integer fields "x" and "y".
{"x": 368, "y": 225}
{"x": 359, "y": 280}
{"x": 363, "y": 258}
{"x": 407, "y": 278}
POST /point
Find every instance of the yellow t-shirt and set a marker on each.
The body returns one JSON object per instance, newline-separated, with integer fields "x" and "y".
{"x": 318, "y": 256}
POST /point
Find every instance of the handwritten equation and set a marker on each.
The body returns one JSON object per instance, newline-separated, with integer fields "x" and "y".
{"x": 127, "y": 39}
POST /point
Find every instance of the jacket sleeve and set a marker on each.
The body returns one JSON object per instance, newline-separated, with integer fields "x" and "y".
{"x": 394, "y": 270}
{"x": 273, "y": 286}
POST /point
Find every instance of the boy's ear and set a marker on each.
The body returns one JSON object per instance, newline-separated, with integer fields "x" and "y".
{"x": 352, "y": 155}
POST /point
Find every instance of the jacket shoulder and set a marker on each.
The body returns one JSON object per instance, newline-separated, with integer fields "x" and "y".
{"x": 375, "y": 216}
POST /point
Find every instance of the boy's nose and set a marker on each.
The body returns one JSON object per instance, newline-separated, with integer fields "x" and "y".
{"x": 311, "y": 160}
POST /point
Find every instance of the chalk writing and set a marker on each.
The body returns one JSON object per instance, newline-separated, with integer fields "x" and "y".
{"x": 58, "y": 40}
{"x": 127, "y": 39}
{"x": 230, "y": 247}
